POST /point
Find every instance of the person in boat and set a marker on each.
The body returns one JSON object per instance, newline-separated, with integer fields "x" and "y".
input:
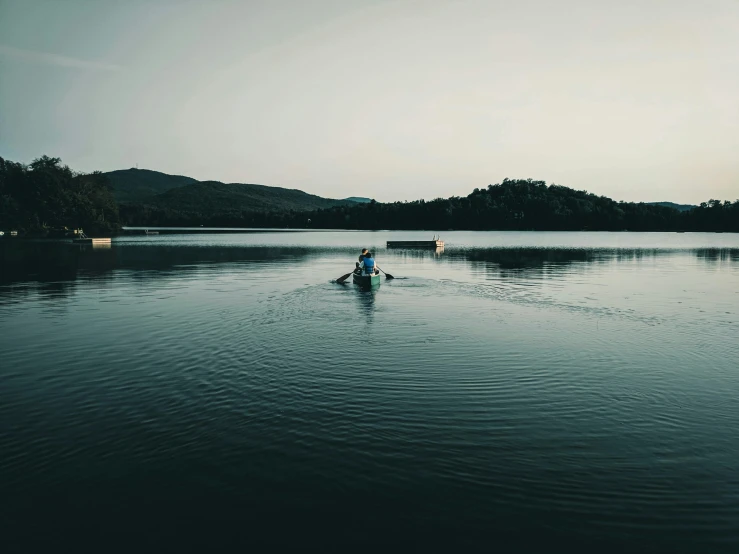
{"x": 367, "y": 265}
{"x": 361, "y": 258}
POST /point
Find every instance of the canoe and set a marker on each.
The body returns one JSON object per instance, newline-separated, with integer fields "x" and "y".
{"x": 366, "y": 281}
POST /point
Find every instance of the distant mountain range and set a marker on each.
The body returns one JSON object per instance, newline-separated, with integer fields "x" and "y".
{"x": 143, "y": 190}
{"x": 678, "y": 207}
{"x": 177, "y": 192}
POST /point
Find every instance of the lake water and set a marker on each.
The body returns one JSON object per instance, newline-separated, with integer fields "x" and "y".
{"x": 515, "y": 392}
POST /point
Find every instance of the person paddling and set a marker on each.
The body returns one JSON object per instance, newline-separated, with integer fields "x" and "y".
{"x": 368, "y": 264}
{"x": 361, "y": 258}
{"x": 365, "y": 266}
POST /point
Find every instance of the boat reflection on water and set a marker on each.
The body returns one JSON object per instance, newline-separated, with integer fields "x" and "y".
{"x": 366, "y": 298}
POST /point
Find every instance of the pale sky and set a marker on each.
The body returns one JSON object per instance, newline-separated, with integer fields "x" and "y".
{"x": 391, "y": 99}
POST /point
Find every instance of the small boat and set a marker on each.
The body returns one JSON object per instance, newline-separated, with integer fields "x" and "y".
{"x": 366, "y": 281}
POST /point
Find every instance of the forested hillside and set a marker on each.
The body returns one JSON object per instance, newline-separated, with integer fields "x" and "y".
{"x": 678, "y": 207}
{"x": 510, "y": 205}
{"x": 132, "y": 185}
{"x": 46, "y": 195}
{"x": 528, "y": 205}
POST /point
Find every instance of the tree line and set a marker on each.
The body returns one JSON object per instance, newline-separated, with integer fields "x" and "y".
{"x": 48, "y": 195}
{"x": 45, "y": 197}
{"x": 510, "y": 205}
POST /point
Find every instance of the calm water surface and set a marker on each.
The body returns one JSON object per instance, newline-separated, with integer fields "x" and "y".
{"x": 516, "y": 391}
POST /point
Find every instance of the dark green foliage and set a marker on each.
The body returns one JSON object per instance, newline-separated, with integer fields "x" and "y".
{"x": 526, "y": 205}
{"x": 714, "y": 215}
{"x": 47, "y": 196}
{"x": 133, "y": 185}
{"x": 510, "y": 205}
{"x": 181, "y": 202}
{"x": 216, "y": 197}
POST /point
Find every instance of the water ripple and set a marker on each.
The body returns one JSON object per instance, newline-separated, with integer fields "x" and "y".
{"x": 586, "y": 396}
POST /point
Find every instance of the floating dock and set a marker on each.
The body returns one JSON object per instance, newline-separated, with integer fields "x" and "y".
{"x": 415, "y": 244}
{"x": 94, "y": 242}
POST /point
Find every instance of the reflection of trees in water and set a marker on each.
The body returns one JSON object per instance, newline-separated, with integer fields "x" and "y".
{"x": 37, "y": 262}
{"x": 521, "y": 258}
{"x": 417, "y": 254}
{"x": 54, "y": 267}
{"x": 524, "y": 262}
{"x": 51, "y": 266}
{"x": 168, "y": 257}
{"x": 542, "y": 262}
{"x": 713, "y": 255}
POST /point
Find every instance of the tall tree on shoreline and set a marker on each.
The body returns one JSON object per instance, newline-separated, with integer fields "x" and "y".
{"x": 46, "y": 195}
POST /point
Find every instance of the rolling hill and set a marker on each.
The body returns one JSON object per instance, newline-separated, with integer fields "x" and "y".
{"x": 152, "y": 198}
{"x": 213, "y": 196}
{"x": 132, "y": 185}
{"x": 678, "y": 207}
{"x": 185, "y": 194}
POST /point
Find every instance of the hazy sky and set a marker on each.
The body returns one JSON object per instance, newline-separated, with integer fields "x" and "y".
{"x": 393, "y": 99}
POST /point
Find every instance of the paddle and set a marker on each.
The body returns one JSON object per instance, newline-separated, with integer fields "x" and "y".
{"x": 387, "y": 275}
{"x": 343, "y": 278}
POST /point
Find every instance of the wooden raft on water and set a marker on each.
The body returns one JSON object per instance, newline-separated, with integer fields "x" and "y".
{"x": 92, "y": 241}
{"x": 82, "y": 238}
{"x": 415, "y": 243}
